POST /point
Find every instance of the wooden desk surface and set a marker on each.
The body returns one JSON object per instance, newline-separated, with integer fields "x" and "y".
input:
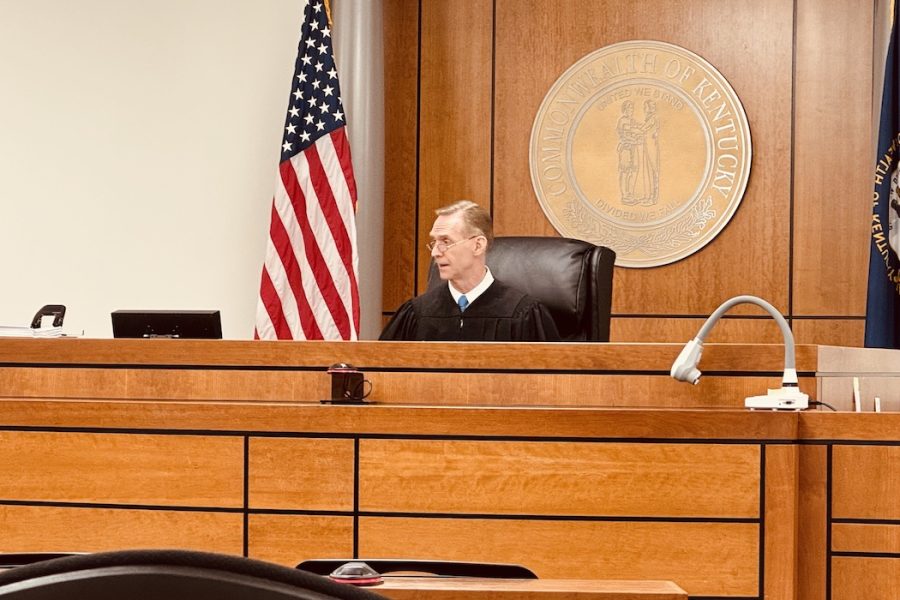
{"x": 639, "y": 357}
{"x": 386, "y": 419}
{"x": 459, "y": 588}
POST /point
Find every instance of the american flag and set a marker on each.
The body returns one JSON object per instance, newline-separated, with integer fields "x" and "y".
{"x": 309, "y": 280}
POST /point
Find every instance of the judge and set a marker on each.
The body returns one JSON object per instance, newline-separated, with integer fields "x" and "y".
{"x": 472, "y": 305}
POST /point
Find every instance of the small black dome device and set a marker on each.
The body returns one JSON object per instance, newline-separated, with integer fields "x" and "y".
{"x": 356, "y": 573}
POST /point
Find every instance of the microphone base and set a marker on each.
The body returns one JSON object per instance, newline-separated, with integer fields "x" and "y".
{"x": 789, "y": 398}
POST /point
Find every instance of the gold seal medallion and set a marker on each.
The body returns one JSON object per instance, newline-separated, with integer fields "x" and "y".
{"x": 642, "y": 147}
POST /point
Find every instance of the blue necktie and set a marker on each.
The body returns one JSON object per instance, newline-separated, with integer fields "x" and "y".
{"x": 463, "y": 303}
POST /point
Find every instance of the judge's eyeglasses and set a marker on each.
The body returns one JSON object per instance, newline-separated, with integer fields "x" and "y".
{"x": 444, "y": 246}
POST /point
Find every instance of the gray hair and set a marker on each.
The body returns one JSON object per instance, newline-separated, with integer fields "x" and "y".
{"x": 477, "y": 220}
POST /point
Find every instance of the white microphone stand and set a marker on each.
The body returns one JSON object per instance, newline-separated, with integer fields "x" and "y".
{"x": 787, "y": 397}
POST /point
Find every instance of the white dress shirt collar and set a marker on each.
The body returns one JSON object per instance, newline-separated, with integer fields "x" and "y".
{"x": 476, "y": 291}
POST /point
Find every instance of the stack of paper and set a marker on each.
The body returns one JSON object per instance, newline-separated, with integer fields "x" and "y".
{"x": 43, "y": 332}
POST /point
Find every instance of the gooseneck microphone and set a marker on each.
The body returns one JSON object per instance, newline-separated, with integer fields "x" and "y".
{"x": 788, "y": 397}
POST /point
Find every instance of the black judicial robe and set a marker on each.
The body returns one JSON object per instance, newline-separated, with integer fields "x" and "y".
{"x": 500, "y": 314}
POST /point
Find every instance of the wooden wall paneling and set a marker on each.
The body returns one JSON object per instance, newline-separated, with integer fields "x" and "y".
{"x": 37, "y": 382}
{"x": 521, "y": 389}
{"x": 865, "y": 537}
{"x": 833, "y": 332}
{"x": 865, "y": 485}
{"x": 291, "y": 539}
{"x": 530, "y": 422}
{"x": 263, "y": 356}
{"x": 63, "y": 529}
{"x": 537, "y": 41}
{"x": 812, "y": 527}
{"x": 679, "y": 330}
{"x": 781, "y": 521}
{"x": 307, "y": 474}
{"x": 401, "y": 78}
{"x": 448, "y": 388}
{"x": 201, "y": 384}
{"x": 868, "y": 427}
{"x": 165, "y": 384}
{"x": 122, "y": 469}
{"x": 559, "y": 478}
{"x": 833, "y": 160}
{"x": 869, "y": 578}
{"x": 705, "y": 559}
{"x": 455, "y": 118}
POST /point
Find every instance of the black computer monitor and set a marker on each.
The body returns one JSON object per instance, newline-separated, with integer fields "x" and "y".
{"x": 177, "y": 324}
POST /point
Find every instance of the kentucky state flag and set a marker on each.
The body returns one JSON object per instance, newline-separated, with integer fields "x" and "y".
{"x": 883, "y": 304}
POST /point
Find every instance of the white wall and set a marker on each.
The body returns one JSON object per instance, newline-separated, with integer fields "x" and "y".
{"x": 138, "y": 151}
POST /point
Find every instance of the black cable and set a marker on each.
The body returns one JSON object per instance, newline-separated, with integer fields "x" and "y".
{"x": 814, "y": 402}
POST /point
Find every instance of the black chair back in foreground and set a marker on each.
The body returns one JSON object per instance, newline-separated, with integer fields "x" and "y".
{"x": 572, "y": 278}
{"x": 9, "y": 560}
{"x": 441, "y": 568}
{"x": 168, "y": 575}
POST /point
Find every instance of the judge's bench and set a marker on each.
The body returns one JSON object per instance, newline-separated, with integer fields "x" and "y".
{"x": 581, "y": 461}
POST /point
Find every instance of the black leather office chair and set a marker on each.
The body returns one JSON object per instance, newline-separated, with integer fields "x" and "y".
{"x": 9, "y": 560}
{"x": 168, "y": 575}
{"x": 572, "y": 278}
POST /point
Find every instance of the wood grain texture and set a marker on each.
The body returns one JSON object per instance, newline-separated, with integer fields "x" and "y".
{"x": 837, "y": 332}
{"x": 832, "y": 181}
{"x": 400, "y": 372}
{"x": 36, "y": 382}
{"x": 317, "y": 356}
{"x": 778, "y": 245}
{"x": 834, "y": 332}
{"x": 291, "y": 539}
{"x": 550, "y": 536}
{"x": 455, "y": 120}
{"x": 317, "y": 419}
{"x": 227, "y": 385}
{"x": 865, "y": 537}
{"x": 781, "y": 521}
{"x": 757, "y": 62}
{"x": 128, "y": 469}
{"x": 812, "y": 526}
{"x": 869, "y": 578}
{"x": 164, "y": 384}
{"x": 702, "y": 558}
{"x": 864, "y": 482}
{"x": 308, "y": 474}
{"x": 401, "y": 76}
{"x": 818, "y": 425}
{"x": 520, "y": 389}
{"x": 462, "y": 588}
{"x": 55, "y": 529}
{"x": 662, "y": 329}
{"x": 559, "y": 478}
{"x": 443, "y": 388}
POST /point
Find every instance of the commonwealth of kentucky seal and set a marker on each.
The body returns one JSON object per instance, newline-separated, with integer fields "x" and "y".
{"x": 642, "y": 147}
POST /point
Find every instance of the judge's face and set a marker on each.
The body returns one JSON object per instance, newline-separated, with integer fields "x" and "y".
{"x": 459, "y": 255}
